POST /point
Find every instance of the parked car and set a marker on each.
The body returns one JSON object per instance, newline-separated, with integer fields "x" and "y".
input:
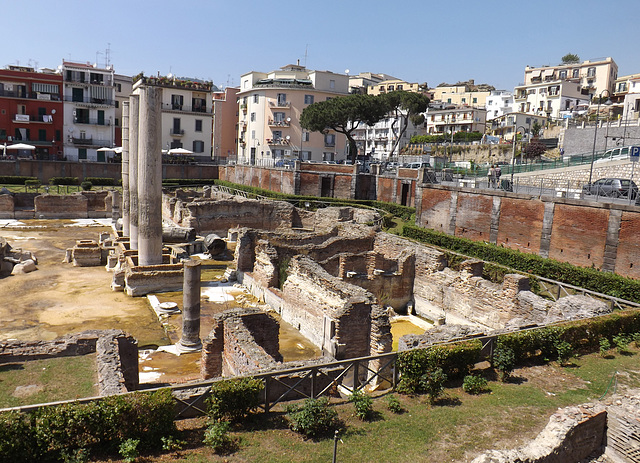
{"x": 615, "y": 154}
{"x": 612, "y": 188}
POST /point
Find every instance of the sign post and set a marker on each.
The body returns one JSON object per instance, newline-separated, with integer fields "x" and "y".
{"x": 634, "y": 156}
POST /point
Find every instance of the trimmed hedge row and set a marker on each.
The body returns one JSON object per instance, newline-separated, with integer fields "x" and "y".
{"x": 103, "y": 181}
{"x": 588, "y": 278}
{"x": 57, "y": 433}
{"x": 15, "y": 179}
{"x": 64, "y": 181}
{"x": 397, "y": 210}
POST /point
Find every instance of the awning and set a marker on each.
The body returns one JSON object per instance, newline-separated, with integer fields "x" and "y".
{"x": 548, "y": 72}
{"x": 535, "y": 73}
{"x": 101, "y": 93}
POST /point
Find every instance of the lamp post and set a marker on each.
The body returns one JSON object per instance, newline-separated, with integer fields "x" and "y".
{"x": 595, "y": 132}
{"x": 513, "y": 156}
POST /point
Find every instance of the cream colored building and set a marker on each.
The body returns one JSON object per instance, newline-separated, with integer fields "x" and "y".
{"x": 463, "y": 94}
{"x": 392, "y": 85}
{"x": 270, "y": 105}
{"x": 442, "y": 121}
{"x": 591, "y": 76}
{"x": 549, "y": 98}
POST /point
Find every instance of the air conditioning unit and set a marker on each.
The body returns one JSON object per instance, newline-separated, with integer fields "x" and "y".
{"x": 74, "y": 112}
{"x": 287, "y": 152}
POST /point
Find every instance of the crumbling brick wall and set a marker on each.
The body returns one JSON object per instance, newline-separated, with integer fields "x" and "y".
{"x": 74, "y": 206}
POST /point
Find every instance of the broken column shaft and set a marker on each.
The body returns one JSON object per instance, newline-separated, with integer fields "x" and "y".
{"x": 190, "y": 340}
{"x": 150, "y": 176}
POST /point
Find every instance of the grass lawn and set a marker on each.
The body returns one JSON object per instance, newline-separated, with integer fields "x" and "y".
{"x": 457, "y": 428}
{"x": 50, "y": 380}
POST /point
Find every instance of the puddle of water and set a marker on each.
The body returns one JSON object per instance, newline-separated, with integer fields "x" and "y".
{"x": 294, "y": 346}
{"x": 157, "y": 366}
{"x": 404, "y": 325}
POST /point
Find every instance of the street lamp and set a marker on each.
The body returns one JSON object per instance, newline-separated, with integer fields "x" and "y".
{"x": 513, "y": 156}
{"x": 595, "y": 132}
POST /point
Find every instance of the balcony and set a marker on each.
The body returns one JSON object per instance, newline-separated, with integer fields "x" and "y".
{"x": 91, "y": 101}
{"x": 176, "y": 132}
{"x": 89, "y": 121}
{"x": 243, "y": 106}
{"x": 277, "y": 142}
{"x": 280, "y": 104}
{"x": 273, "y": 123}
{"x": 30, "y": 96}
{"x": 90, "y": 142}
{"x": 185, "y": 109}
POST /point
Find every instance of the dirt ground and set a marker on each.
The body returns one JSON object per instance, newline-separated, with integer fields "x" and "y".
{"x": 59, "y": 298}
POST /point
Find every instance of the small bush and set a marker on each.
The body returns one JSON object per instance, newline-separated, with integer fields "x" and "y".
{"x": 432, "y": 383}
{"x": 64, "y": 181}
{"x": 565, "y": 352}
{"x": 473, "y": 384}
{"x": 393, "y": 404}
{"x": 363, "y": 405}
{"x": 217, "y": 437}
{"x": 170, "y": 443}
{"x": 86, "y": 186}
{"x": 621, "y": 342}
{"x": 636, "y": 339}
{"x": 129, "y": 450}
{"x": 234, "y": 399}
{"x": 315, "y": 418}
{"x": 605, "y": 345}
{"x": 103, "y": 181}
{"x": 504, "y": 361}
{"x": 32, "y": 183}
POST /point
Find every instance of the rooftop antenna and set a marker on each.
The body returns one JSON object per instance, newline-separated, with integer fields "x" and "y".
{"x": 107, "y": 55}
{"x": 97, "y": 53}
{"x": 305, "y": 55}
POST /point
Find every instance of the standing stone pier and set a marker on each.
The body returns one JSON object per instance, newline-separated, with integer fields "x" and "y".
{"x": 134, "y": 118}
{"x": 190, "y": 341}
{"x": 125, "y": 169}
{"x": 150, "y": 176}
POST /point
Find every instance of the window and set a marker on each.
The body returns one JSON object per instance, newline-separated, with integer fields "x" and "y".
{"x": 549, "y": 108}
{"x": 282, "y": 99}
{"x": 176, "y": 126}
{"x": 277, "y": 134}
{"x": 448, "y": 100}
{"x": 119, "y": 87}
{"x": 475, "y": 100}
{"x": 330, "y": 139}
{"x": 117, "y": 122}
{"x": 464, "y": 100}
{"x": 563, "y": 74}
{"x": 253, "y": 117}
{"x": 399, "y": 87}
{"x": 77, "y": 95}
{"x": 622, "y": 87}
{"x": 82, "y": 153}
{"x": 591, "y": 72}
{"x": 575, "y": 73}
{"x": 42, "y": 135}
{"x": 198, "y": 125}
{"x": 176, "y": 102}
{"x": 279, "y": 117}
{"x": 332, "y": 84}
{"x": 531, "y": 91}
{"x": 198, "y": 146}
{"x": 255, "y": 98}
{"x": 390, "y": 88}
{"x": 199, "y": 105}
{"x": 117, "y": 104}
{"x": 305, "y": 135}
{"x": 82, "y": 116}
{"x": 308, "y": 99}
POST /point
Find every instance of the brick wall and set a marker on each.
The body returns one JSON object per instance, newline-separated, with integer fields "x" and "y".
{"x": 473, "y": 219}
{"x": 74, "y": 206}
{"x": 521, "y": 224}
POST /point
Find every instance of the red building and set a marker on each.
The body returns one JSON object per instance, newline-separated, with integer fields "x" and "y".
{"x": 31, "y": 112}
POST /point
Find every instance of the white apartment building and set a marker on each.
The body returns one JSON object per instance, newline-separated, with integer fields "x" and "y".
{"x": 270, "y": 107}
{"x": 626, "y": 97}
{"x": 592, "y": 76}
{"x": 507, "y": 125}
{"x": 550, "y": 97}
{"x": 499, "y": 102}
{"x": 123, "y": 86}
{"x": 89, "y": 111}
{"x": 378, "y": 140}
{"x": 441, "y": 121}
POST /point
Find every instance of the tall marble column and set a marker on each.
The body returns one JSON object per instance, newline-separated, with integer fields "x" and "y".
{"x": 150, "y": 176}
{"x": 125, "y": 168}
{"x": 134, "y": 119}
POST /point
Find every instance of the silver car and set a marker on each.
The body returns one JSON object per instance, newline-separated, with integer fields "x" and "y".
{"x": 612, "y": 188}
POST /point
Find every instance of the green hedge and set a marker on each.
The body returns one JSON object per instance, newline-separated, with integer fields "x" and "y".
{"x": 234, "y": 399}
{"x": 54, "y": 433}
{"x": 15, "y": 179}
{"x": 103, "y": 181}
{"x": 64, "y": 181}
{"x": 454, "y": 359}
{"x": 588, "y": 278}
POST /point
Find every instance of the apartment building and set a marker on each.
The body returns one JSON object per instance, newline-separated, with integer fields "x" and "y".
{"x": 442, "y": 121}
{"x": 31, "y": 111}
{"x": 377, "y": 141}
{"x": 89, "y": 111}
{"x": 463, "y": 93}
{"x": 123, "y": 86}
{"x": 626, "y": 97}
{"x": 225, "y": 125}
{"x": 270, "y": 105}
{"x": 592, "y": 76}
{"x": 549, "y": 98}
{"x": 498, "y": 103}
{"x": 506, "y": 126}
{"x": 363, "y": 81}
{"x": 393, "y": 84}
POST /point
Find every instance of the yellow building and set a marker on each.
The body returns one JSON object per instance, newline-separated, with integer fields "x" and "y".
{"x": 393, "y": 85}
{"x": 463, "y": 94}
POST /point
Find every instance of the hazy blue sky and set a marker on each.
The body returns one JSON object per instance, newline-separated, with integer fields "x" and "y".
{"x": 415, "y": 40}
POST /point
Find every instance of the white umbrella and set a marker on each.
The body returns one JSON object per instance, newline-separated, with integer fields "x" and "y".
{"x": 118, "y": 149}
{"x": 21, "y": 146}
{"x": 105, "y": 149}
{"x": 179, "y": 151}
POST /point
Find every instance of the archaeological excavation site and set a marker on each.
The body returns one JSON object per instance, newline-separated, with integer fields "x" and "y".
{"x": 185, "y": 286}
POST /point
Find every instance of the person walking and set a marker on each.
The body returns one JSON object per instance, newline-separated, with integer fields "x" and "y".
{"x": 498, "y": 171}
{"x": 491, "y": 176}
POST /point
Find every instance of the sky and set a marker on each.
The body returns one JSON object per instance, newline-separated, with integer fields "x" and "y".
{"x": 419, "y": 41}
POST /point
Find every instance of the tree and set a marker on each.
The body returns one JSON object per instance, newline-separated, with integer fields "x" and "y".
{"x": 404, "y": 106}
{"x": 533, "y": 150}
{"x": 570, "y": 58}
{"x": 343, "y": 114}
{"x": 536, "y": 128}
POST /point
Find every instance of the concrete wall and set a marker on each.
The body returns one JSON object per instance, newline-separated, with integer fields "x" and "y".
{"x": 584, "y": 234}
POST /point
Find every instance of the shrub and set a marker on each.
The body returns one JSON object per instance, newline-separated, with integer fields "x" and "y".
{"x": 15, "y": 179}
{"x": 129, "y": 450}
{"x": 393, "y": 404}
{"x": 32, "y": 183}
{"x": 86, "y": 186}
{"x": 636, "y": 339}
{"x": 474, "y": 384}
{"x": 64, "y": 181}
{"x": 432, "y": 383}
{"x": 103, "y": 181}
{"x": 363, "y": 405}
{"x": 170, "y": 443}
{"x": 503, "y": 360}
{"x": 12, "y": 448}
{"x": 605, "y": 345}
{"x": 234, "y": 399}
{"x": 621, "y": 342}
{"x": 565, "y": 352}
{"x": 217, "y": 437}
{"x": 315, "y": 418}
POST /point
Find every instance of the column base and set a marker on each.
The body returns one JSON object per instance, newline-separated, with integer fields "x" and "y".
{"x": 186, "y": 347}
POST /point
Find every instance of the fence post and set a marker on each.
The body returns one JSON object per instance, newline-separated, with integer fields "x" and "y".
{"x": 356, "y": 381}
{"x": 313, "y": 383}
{"x": 266, "y": 394}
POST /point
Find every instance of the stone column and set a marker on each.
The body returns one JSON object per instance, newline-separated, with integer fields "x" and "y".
{"x": 134, "y": 119}
{"x": 125, "y": 168}
{"x": 190, "y": 341}
{"x": 150, "y": 176}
